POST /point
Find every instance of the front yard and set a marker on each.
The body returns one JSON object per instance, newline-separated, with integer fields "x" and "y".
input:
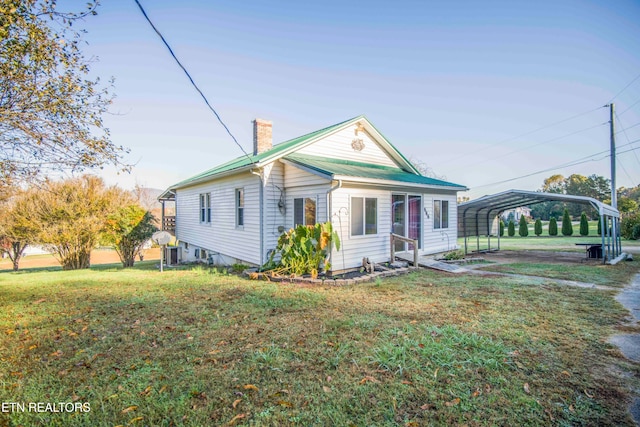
{"x": 195, "y": 347}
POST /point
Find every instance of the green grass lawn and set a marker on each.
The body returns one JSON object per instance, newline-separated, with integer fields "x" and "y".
{"x": 187, "y": 347}
{"x": 608, "y": 275}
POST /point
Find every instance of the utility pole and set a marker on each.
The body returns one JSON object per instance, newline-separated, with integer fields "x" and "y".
{"x": 614, "y": 195}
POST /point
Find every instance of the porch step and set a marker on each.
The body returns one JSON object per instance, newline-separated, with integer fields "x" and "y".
{"x": 428, "y": 262}
{"x": 442, "y": 266}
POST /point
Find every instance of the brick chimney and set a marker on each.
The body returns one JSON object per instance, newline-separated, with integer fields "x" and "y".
{"x": 262, "y": 140}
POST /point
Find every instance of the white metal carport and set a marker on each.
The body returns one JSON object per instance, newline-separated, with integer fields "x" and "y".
{"x": 478, "y": 217}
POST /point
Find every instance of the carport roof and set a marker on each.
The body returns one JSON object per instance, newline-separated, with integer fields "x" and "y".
{"x": 476, "y": 216}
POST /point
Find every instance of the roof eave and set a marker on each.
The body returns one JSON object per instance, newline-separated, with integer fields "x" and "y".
{"x": 394, "y": 183}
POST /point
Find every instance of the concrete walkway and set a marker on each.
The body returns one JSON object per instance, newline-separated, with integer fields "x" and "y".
{"x": 629, "y": 344}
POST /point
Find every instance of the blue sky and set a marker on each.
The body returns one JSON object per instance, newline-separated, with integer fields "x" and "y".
{"x": 453, "y": 84}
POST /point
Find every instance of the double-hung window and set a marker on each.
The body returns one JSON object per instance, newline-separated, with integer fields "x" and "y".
{"x": 304, "y": 211}
{"x": 364, "y": 216}
{"x": 239, "y": 207}
{"x": 440, "y": 214}
{"x": 205, "y": 208}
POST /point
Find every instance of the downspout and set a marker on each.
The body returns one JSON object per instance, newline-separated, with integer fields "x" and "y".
{"x": 259, "y": 175}
{"x": 329, "y": 191}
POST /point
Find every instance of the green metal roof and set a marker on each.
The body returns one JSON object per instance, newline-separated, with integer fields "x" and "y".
{"x": 333, "y": 167}
{"x": 275, "y": 152}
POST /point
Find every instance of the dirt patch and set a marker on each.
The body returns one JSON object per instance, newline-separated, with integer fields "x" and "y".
{"x": 509, "y": 257}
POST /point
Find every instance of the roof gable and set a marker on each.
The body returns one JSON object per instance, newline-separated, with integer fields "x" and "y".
{"x": 293, "y": 145}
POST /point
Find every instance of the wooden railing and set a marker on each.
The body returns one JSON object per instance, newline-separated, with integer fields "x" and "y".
{"x": 395, "y": 237}
{"x": 169, "y": 223}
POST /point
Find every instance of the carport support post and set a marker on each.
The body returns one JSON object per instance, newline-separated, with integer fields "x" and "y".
{"x": 602, "y": 225}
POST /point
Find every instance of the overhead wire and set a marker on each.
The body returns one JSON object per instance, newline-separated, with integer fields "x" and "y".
{"x": 193, "y": 83}
{"x": 504, "y": 141}
{"x": 629, "y": 107}
{"x": 624, "y": 88}
{"x": 576, "y": 162}
{"x": 624, "y": 132}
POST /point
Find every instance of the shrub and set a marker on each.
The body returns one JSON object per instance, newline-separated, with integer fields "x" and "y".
{"x": 537, "y": 228}
{"x": 630, "y": 226}
{"x": 304, "y": 249}
{"x": 453, "y": 255}
{"x": 599, "y": 226}
{"x": 584, "y": 225}
{"x": 511, "y": 229}
{"x": 523, "y": 228}
{"x": 553, "y": 227}
{"x": 567, "y": 228}
{"x": 501, "y": 228}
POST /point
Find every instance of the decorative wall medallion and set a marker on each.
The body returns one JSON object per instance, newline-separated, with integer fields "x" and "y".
{"x": 357, "y": 144}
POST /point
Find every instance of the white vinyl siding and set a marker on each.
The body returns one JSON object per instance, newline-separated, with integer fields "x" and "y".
{"x": 222, "y": 237}
{"x": 354, "y": 248}
{"x": 440, "y": 239}
{"x": 338, "y": 146}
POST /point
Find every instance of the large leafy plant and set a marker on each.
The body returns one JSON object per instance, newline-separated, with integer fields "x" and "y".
{"x": 305, "y": 249}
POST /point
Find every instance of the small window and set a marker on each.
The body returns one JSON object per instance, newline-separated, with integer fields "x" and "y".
{"x": 364, "y": 216}
{"x": 440, "y": 214}
{"x": 304, "y": 211}
{"x": 239, "y": 207}
{"x": 205, "y": 208}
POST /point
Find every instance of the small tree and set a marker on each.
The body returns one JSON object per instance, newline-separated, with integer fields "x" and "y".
{"x": 584, "y": 225}
{"x": 599, "y": 230}
{"x": 523, "y": 228}
{"x": 567, "y": 228}
{"x": 537, "y": 228}
{"x": 553, "y": 226}
{"x": 501, "y": 228}
{"x": 70, "y": 215}
{"x": 16, "y": 231}
{"x": 128, "y": 229}
{"x": 630, "y": 226}
{"x": 511, "y": 229}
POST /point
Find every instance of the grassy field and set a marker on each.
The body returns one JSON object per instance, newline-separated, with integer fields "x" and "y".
{"x": 189, "y": 347}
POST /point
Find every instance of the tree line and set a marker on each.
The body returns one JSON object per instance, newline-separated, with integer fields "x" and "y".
{"x": 594, "y": 186}
{"x": 69, "y": 218}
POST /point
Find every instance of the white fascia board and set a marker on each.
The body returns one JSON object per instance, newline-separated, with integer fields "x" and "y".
{"x": 215, "y": 177}
{"x": 391, "y": 183}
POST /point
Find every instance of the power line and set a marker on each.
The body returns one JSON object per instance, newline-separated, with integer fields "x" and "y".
{"x": 580, "y": 161}
{"x": 624, "y": 131}
{"x": 544, "y": 142}
{"x": 522, "y": 134}
{"x": 624, "y": 88}
{"x": 629, "y": 107}
{"x": 193, "y": 83}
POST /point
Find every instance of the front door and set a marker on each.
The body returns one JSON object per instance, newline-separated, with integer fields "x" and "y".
{"x": 406, "y": 219}
{"x": 398, "y": 207}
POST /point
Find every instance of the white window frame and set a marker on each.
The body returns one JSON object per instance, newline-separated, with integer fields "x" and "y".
{"x": 239, "y": 205}
{"x": 439, "y": 215}
{"x": 305, "y": 200}
{"x": 205, "y": 208}
{"x": 364, "y": 216}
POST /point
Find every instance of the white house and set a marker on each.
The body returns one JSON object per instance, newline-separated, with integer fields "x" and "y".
{"x": 348, "y": 173}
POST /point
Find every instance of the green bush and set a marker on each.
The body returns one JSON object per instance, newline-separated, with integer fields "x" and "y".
{"x": 305, "y": 249}
{"x": 511, "y": 229}
{"x": 501, "y": 228}
{"x": 567, "y": 227}
{"x": 630, "y": 226}
{"x": 599, "y": 226}
{"x": 584, "y": 225}
{"x": 453, "y": 255}
{"x": 553, "y": 227}
{"x": 523, "y": 228}
{"x": 537, "y": 228}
